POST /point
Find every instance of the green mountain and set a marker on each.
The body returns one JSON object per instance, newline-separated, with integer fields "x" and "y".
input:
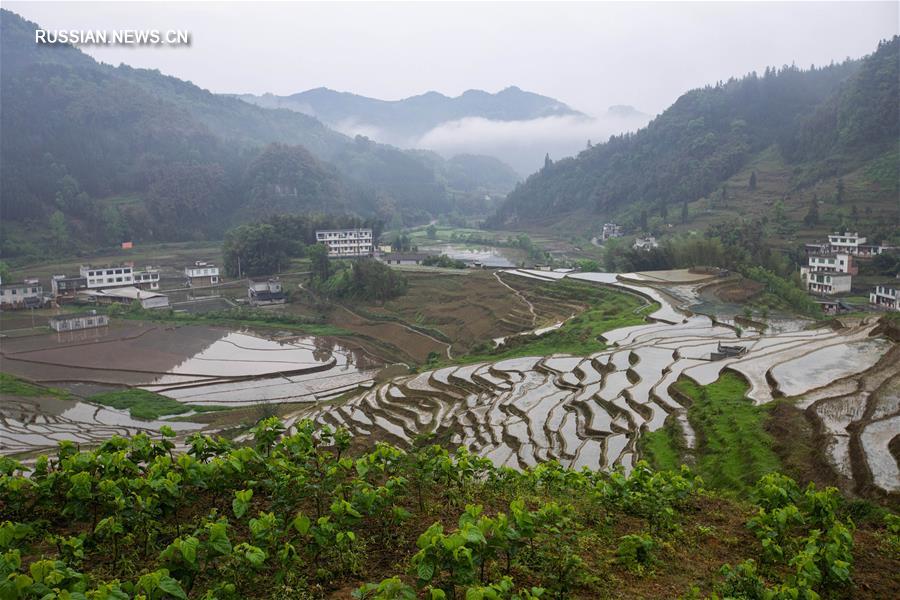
{"x": 414, "y": 116}
{"x": 94, "y": 154}
{"x": 795, "y": 131}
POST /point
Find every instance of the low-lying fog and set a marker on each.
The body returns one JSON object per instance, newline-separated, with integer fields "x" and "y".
{"x": 521, "y": 144}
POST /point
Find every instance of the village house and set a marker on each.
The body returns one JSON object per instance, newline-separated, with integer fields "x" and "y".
{"x": 28, "y": 294}
{"x": 609, "y": 231}
{"x": 147, "y": 279}
{"x": 848, "y": 243}
{"x": 403, "y": 258}
{"x": 885, "y": 297}
{"x": 828, "y": 283}
{"x": 201, "y": 274}
{"x": 108, "y": 276}
{"x": 346, "y": 243}
{"x": 126, "y": 295}
{"x": 65, "y": 289}
{"x": 839, "y": 262}
{"x": 79, "y": 321}
{"x": 645, "y": 243}
{"x": 832, "y": 307}
{"x": 263, "y": 292}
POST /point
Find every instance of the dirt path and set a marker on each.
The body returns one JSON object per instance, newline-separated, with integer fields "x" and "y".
{"x": 521, "y": 297}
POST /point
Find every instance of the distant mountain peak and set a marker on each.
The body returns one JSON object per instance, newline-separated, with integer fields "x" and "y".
{"x": 406, "y": 121}
{"x": 624, "y": 110}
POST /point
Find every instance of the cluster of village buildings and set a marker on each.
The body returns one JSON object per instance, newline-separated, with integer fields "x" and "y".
{"x": 831, "y": 266}
{"x": 829, "y": 272}
{"x": 612, "y": 230}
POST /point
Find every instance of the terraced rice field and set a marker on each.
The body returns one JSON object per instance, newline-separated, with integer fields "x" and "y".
{"x": 590, "y": 411}
{"x": 197, "y": 365}
{"x": 30, "y": 425}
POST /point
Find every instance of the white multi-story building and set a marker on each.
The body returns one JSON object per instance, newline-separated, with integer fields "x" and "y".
{"x": 847, "y": 241}
{"x": 147, "y": 279}
{"x": 828, "y": 283}
{"x": 610, "y": 230}
{"x": 201, "y": 273}
{"x": 107, "y": 277}
{"x": 852, "y": 243}
{"x": 346, "y": 242}
{"x": 886, "y": 297}
{"x": 839, "y": 264}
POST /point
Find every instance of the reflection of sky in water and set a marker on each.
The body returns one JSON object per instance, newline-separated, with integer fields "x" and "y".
{"x": 823, "y": 366}
{"x": 491, "y": 257}
{"x": 239, "y": 354}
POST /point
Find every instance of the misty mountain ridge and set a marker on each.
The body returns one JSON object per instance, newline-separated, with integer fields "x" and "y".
{"x": 414, "y": 116}
{"x": 516, "y": 126}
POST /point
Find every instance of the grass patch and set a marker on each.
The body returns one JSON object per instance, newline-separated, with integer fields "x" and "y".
{"x": 733, "y": 448}
{"x": 607, "y": 309}
{"x": 663, "y": 448}
{"x": 244, "y": 317}
{"x": 10, "y": 385}
{"x": 148, "y": 406}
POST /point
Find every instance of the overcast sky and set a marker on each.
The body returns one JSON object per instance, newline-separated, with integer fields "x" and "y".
{"x": 587, "y": 55}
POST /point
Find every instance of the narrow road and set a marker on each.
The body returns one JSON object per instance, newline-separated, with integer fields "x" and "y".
{"x": 521, "y": 297}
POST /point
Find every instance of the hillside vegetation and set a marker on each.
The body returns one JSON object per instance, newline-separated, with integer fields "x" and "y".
{"x": 93, "y": 155}
{"x": 799, "y": 127}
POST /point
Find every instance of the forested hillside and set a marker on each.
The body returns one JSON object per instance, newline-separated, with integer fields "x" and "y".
{"x": 95, "y": 154}
{"x": 812, "y": 124}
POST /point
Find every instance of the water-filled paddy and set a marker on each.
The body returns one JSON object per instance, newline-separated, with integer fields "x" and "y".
{"x": 194, "y": 364}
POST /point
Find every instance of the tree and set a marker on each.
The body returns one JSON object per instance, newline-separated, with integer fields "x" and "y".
{"x": 401, "y": 243}
{"x": 547, "y": 161}
{"x": 4, "y": 272}
{"x": 320, "y": 264}
{"x": 812, "y": 217}
{"x": 663, "y": 211}
{"x": 254, "y": 249}
{"x": 643, "y": 220}
{"x": 723, "y": 196}
{"x": 854, "y": 214}
{"x": 839, "y": 192}
{"x": 59, "y": 231}
{"x": 684, "y": 212}
{"x": 431, "y": 231}
{"x": 753, "y": 180}
{"x": 779, "y": 211}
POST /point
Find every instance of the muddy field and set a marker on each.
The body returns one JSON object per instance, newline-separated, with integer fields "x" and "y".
{"x": 443, "y": 310}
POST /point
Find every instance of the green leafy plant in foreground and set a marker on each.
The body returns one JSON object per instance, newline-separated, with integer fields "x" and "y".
{"x": 291, "y": 514}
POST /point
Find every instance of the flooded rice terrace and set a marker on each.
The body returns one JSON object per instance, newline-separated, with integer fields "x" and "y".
{"x": 197, "y": 365}
{"x": 582, "y": 411}
{"x": 591, "y": 411}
